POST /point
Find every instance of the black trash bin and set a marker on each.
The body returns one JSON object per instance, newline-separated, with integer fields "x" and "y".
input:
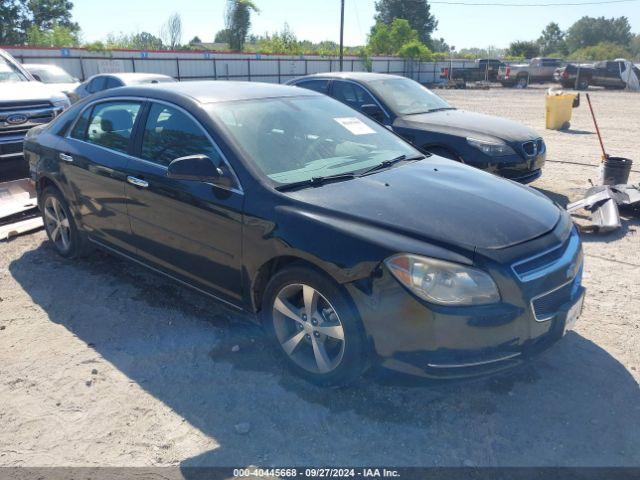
{"x": 615, "y": 170}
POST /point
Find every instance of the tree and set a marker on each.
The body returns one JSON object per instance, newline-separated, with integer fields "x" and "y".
{"x": 195, "y": 40}
{"x": 416, "y": 12}
{"x": 222, "y": 36}
{"x": 45, "y": 14}
{"x": 12, "y": 18}
{"x": 552, "y": 40}
{"x": 171, "y": 31}
{"x": 635, "y": 47}
{"x": 523, "y": 49}
{"x": 238, "y": 21}
{"x": 601, "y": 51}
{"x": 415, "y": 50}
{"x": 284, "y": 41}
{"x": 387, "y": 40}
{"x": 590, "y": 31}
{"x": 137, "y": 41}
{"x": 58, "y": 36}
{"x": 439, "y": 45}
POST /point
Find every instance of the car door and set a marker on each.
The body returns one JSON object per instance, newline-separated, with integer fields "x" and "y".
{"x": 357, "y": 97}
{"x": 189, "y": 229}
{"x": 93, "y": 158}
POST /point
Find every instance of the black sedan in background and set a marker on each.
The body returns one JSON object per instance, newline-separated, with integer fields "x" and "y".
{"x": 348, "y": 244}
{"x": 490, "y": 143}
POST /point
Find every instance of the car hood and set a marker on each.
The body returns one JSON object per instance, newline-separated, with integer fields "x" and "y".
{"x": 438, "y": 200}
{"x": 29, "y": 91}
{"x": 463, "y": 123}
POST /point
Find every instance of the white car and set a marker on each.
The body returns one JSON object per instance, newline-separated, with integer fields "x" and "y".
{"x": 54, "y": 75}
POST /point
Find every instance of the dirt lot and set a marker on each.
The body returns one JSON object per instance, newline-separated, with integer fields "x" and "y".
{"x": 102, "y": 363}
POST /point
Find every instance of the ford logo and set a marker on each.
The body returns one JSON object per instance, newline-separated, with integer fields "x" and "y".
{"x": 17, "y": 119}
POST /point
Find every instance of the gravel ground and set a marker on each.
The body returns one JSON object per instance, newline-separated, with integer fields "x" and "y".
{"x": 105, "y": 364}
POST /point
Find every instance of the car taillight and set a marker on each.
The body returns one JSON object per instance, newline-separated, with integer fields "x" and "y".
{"x": 507, "y": 72}
{"x": 565, "y": 74}
{"x": 444, "y": 72}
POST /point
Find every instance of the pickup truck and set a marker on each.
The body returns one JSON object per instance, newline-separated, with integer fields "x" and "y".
{"x": 520, "y": 75}
{"x": 24, "y": 104}
{"x": 485, "y": 69}
{"x": 611, "y": 74}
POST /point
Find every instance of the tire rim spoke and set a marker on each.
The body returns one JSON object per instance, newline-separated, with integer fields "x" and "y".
{"x": 310, "y": 297}
{"x": 55, "y": 232}
{"x": 320, "y": 353}
{"x": 290, "y": 345}
{"x": 287, "y": 310}
{"x": 333, "y": 331}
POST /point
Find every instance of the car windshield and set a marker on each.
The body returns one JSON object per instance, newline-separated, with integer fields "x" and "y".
{"x": 53, "y": 75}
{"x": 295, "y": 139}
{"x": 406, "y": 97}
{"x": 10, "y": 73}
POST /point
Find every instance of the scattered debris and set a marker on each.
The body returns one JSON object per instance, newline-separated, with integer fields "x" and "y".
{"x": 94, "y": 372}
{"x": 235, "y": 348}
{"x": 603, "y": 202}
{"x": 18, "y": 208}
{"x": 243, "y": 428}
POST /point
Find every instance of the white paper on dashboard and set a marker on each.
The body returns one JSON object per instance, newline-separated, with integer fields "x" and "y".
{"x": 355, "y": 125}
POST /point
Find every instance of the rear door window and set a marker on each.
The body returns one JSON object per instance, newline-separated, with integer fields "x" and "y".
{"x": 321, "y": 86}
{"x": 96, "y": 85}
{"x": 111, "y": 124}
{"x": 112, "y": 83}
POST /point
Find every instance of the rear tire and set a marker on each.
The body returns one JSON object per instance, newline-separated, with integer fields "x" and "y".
{"x": 522, "y": 82}
{"x": 313, "y": 324}
{"x": 583, "y": 84}
{"x": 60, "y": 226}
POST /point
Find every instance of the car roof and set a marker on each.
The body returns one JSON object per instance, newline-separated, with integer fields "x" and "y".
{"x": 41, "y": 66}
{"x": 356, "y": 76}
{"x": 132, "y": 77}
{"x": 212, "y": 91}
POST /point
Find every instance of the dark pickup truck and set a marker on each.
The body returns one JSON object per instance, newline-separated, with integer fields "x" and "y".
{"x": 612, "y": 74}
{"x": 484, "y": 69}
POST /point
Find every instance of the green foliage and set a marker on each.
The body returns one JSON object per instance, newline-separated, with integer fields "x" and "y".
{"x": 284, "y": 42}
{"x": 416, "y": 12}
{"x": 46, "y": 14}
{"x": 57, "y": 36}
{"x": 523, "y": 49}
{"x": 601, "y": 51}
{"x": 12, "y": 17}
{"x": 238, "y": 21}
{"x": 635, "y": 47}
{"x": 415, "y": 50}
{"x": 388, "y": 40}
{"x": 222, "y": 36}
{"x": 552, "y": 40}
{"x": 136, "y": 41}
{"x": 590, "y": 31}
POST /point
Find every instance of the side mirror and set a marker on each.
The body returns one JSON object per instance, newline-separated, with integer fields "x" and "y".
{"x": 374, "y": 111}
{"x": 197, "y": 168}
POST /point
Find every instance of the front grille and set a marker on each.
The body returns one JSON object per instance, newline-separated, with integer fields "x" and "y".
{"x": 545, "y": 262}
{"x": 547, "y": 305}
{"x": 37, "y": 112}
{"x": 20, "y": 105}
{"x": 533, "y": 148}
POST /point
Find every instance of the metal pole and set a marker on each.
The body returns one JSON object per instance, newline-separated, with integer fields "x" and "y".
{"x": 341, "y": 32}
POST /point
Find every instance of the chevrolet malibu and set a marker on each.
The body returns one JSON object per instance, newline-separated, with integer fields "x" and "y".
{"x": 346, "y": 243}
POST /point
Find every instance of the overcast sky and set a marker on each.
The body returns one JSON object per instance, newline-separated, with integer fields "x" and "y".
{"x": 316, "y": 20}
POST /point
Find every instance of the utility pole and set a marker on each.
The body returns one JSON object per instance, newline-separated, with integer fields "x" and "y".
{"x": 341, "y": 32}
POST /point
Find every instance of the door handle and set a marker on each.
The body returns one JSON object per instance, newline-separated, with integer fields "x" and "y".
{"x": 65, "y": 158}
{"x": 138, "y": 182}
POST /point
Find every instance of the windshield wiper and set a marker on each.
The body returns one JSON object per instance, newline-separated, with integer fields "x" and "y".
{"x": 316, "y": 181}
{"x": 387, "y": 163}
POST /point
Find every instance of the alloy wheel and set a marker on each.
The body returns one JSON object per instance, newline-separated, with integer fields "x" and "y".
{"x": 308, "y": 328}
{"x": 57, "y": 224}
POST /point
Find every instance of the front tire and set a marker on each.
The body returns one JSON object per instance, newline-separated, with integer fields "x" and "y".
{"x": 313, "y": 324}
{"x": 522, "y": 82}
{"x": 60, "y": 226}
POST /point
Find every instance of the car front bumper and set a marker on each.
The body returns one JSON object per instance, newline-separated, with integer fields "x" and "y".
{"x": 428, "y": 340}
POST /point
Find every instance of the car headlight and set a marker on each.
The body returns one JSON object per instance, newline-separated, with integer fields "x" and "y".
{"x": 493, "y": 149}
{"x": 61, "y": 104}
{"x": 443, "y": 283}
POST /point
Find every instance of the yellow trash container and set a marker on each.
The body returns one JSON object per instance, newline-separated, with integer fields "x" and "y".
{"x": 558, "y": 106}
